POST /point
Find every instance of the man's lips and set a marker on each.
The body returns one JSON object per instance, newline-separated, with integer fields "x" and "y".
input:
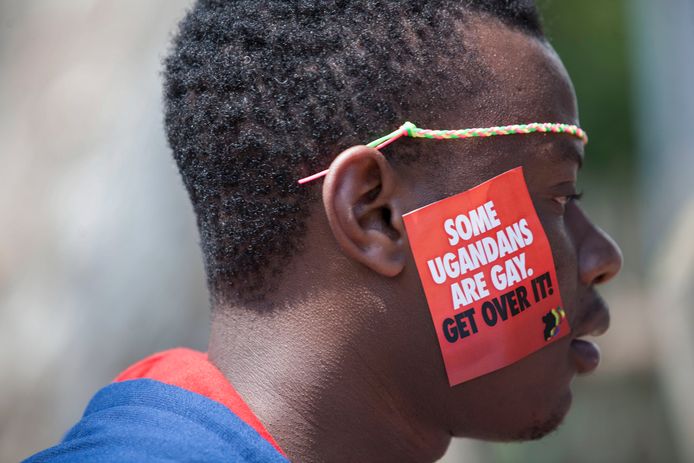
{"x": 595, "y": 321}
{"x": 586, "y": 355}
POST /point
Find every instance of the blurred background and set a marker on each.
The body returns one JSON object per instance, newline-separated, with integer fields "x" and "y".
{"x": 99, "y": 263}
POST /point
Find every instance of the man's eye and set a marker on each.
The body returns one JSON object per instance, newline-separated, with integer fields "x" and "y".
{"x": 564, "y": 200}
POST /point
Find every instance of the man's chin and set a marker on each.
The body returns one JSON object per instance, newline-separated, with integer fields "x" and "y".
{"x": 531, "y": 422}
{"x": 542, "y": 427}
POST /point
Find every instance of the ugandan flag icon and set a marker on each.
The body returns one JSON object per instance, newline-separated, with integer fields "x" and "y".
{"x": 552, "y": 319}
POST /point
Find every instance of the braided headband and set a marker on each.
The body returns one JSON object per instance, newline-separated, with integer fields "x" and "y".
{"x": 408, "y": 129}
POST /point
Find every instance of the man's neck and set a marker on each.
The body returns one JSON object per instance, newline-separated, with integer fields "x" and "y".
{"x": 319, "y": 395}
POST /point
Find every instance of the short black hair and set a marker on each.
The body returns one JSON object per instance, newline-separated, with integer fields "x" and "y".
{"x": 260, "y": 93}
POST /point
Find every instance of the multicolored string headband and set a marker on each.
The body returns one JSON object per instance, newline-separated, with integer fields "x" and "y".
{"x": 408, "y": 129}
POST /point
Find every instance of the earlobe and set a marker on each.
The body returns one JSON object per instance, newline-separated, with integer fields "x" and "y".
{"x": 362, "y": 203}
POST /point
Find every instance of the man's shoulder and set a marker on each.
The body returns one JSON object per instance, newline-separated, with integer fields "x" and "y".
{"x": 149, "y": 420}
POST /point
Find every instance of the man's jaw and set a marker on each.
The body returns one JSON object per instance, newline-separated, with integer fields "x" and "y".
{"x": 542, "y": 427}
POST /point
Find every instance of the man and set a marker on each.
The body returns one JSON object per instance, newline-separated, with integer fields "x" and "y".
{"x": 322, "y": 346}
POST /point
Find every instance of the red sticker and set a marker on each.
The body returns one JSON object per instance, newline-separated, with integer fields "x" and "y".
{"x": 488, "y": 274}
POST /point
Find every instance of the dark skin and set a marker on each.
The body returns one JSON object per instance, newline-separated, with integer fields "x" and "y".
{"x": 347, "y": 367}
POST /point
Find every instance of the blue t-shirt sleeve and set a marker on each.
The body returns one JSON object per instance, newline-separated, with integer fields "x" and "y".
{"x": 145, "y": 420}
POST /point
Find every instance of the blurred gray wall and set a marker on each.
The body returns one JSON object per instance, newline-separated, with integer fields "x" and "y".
{"x": 98, "y": 251}
{"x": 663, "y": 56}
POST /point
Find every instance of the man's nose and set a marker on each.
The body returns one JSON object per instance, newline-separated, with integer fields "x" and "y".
{"x": 599, "y": 257}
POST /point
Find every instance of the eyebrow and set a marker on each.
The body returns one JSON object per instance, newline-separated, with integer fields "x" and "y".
{"x": 572, "y": 154}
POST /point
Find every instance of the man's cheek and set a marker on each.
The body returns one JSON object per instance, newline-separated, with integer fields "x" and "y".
{"x": 565, "y": 261}
{"x": 488, "y": 272}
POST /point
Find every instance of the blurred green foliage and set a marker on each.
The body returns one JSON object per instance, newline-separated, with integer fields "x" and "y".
{"x": 591, "y": 36}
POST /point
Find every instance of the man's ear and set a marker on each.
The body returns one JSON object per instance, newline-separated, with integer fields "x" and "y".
{"x": 360, "y": 196}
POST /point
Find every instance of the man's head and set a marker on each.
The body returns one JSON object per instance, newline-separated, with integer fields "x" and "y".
{"x": 260, "y": 95}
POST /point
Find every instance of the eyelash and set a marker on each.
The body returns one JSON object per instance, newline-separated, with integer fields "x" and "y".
{"x": 570, "y": 198}
{"x": 576, "y": 196}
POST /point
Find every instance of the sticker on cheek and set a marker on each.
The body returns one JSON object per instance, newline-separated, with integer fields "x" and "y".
{"x": 488, "y": 275}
